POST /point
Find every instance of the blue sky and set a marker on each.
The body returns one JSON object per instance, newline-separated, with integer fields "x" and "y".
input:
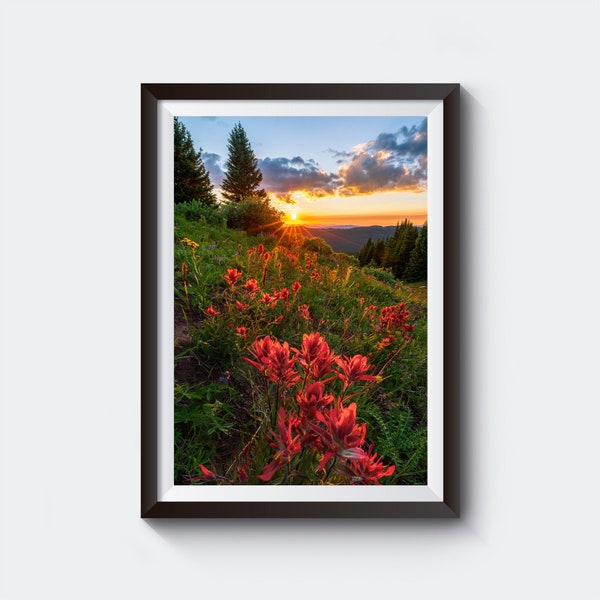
{"x": 329, "y": 169}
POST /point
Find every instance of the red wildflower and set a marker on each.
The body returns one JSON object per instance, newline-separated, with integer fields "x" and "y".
{"x": 296, "y": 286}
{"x": 342, "y": 435}
{"x": 281, "y": 368}
{"x": 251, "y": 251}
{"x": 207, "y": 474}
{"x": 242, "y": 331}
{"x": 260, "y": 249}
{"x": 261, "y": 350}
{"x": 368, "y": 469}
{"x": 241, "y": 305}
{"x": 394, "y": 317}
{"x": 242, "y": 471}
{"x": 315, "y": 355}
{"x": 232, "y": 276}
{"x": 312, "y": 348}
{"x": 267, "y": 256}
{"x": 386, "y": 341}
{"x": 304, "y": 312}
{"x": 284, "y": 444}
{"x": 313, "y": 399}
{"x": 251, "y": 286}
{"x": 274, "y": 361}
{"x": 269, "y": 300}
{"x": 353, "y": 369}
{"x": 282, "y": 294}
{"x": 211, "y": 312}
{"x": 316, "y": 276}
{"x": 408, "y": 328}
{"x": 309, "y": 260}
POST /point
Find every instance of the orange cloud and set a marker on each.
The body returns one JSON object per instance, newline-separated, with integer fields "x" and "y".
{"x": 391, "y": 162}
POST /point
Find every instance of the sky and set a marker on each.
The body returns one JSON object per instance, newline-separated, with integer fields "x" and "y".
{"x": 329, "y": 170}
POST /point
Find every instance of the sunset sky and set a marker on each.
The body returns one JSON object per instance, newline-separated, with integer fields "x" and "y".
{"x": 329, "y": 170}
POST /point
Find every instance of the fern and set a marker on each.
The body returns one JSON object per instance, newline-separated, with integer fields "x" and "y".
{"x": 399, "y": 440}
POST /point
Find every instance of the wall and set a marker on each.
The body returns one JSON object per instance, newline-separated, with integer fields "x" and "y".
{"x": 69, "y": 433}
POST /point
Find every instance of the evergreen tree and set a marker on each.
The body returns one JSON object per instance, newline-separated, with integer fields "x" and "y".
{"x": 365, "y": 253}
{"x": 416, "y": 270}
{"x": 402, "y": 244}
{"x": 192, "y": 181}
{"x": 243, "y": 175}
{"x": 388, "y": 255}
{"x": 378, "y": 252}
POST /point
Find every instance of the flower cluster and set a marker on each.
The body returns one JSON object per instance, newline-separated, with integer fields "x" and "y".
{"x": 315, "y": 435}
{"x": 389, "y": 320}
{"x": 297, "y": 402}
{"x": 274, "y": 360}
{"x": 395, "y": 318}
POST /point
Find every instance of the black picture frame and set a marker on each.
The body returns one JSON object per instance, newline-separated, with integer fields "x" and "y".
{"x": 151, "y": 96}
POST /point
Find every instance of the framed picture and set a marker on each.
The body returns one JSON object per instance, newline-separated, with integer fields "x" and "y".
{"x": 300, "y": 300}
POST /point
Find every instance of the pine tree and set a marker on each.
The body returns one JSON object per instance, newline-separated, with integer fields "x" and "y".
{"x": 388, "y": 255}
{"x": 402, "y": 244}
{"x": 192, "y": 181}
{"x": 363, "y": 253}
{"x": 378, "y": 252}
{"x": 416, "y": 270}
{"x": 243, "y": 175}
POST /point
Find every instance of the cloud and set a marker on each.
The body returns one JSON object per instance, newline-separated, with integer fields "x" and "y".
{"x": 367, "y": 174}
{"x": 390, "y": 162}
{"x": 283, "y": 177}
{"x": 339, "y": 154}
{"x": 212, "y": 162}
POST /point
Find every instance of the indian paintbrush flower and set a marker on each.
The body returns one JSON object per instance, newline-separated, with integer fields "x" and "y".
{"x": 341, "y": 434}
{"x": 251, "y": 286}
{"x": 368, "y": 469}
{"x": 353, "y": 369}
{"x": 315, "y": 355}
{"x": 232, "y": 276}
{"x": 284, "y": 444}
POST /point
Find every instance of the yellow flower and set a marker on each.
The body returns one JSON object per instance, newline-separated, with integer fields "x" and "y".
{"x": 190, "y": 243}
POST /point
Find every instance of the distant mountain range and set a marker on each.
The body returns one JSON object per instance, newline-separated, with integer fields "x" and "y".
{"x": 349, "y": 238}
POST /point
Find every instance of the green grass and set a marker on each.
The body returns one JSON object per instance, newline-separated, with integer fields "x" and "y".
{"x": 217, "y": 399}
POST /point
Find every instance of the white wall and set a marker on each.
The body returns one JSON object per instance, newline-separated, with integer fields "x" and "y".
{"x": 69, "y": 433}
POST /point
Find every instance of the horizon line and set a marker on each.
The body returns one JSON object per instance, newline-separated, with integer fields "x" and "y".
{"x": 358, "y": 220}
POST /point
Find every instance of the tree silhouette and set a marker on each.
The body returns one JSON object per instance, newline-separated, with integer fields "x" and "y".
{"x": 416, "y": 270}
{"x": 243, "y": 176}
{"x": 192, "y": 181}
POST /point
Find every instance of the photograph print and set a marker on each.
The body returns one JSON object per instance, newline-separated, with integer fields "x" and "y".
{"x": 300, "y": 300}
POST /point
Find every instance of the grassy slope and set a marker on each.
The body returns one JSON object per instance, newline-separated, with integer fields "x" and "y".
{"x": 214, "y": 386}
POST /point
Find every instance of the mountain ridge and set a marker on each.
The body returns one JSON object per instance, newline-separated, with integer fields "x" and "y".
{"x": 349, "y": 238}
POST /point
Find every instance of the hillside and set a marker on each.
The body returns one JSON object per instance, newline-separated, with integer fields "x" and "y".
{"x": 277, "y": 339}
{"x": 350, "y": 239}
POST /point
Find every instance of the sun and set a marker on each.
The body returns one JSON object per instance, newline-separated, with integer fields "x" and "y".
{"x": 292, "y": 218}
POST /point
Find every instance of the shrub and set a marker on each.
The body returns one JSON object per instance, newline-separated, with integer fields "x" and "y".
{"x": 253, "y": 216}
{"x": 199, "y": 212}
{"x": 317, "y": 245}
{"x": 381, "y": 275}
